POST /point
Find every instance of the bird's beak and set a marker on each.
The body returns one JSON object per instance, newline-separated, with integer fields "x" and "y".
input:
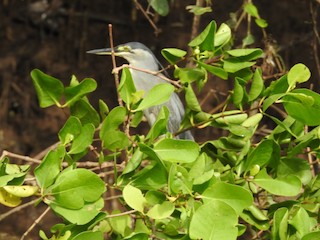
{"x": 102, "y": 51}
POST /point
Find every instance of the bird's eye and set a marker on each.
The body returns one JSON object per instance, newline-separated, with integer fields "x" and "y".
{"x": 124, "y": 49}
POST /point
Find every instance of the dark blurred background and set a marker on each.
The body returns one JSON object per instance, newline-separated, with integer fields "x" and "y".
{"x": 55, "y": 35}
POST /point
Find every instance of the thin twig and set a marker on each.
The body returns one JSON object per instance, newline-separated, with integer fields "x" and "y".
{"x": 156, "y": 29}
{"x": 121, "y": 214}
{"x": 17, "y": 209}
{"x": 175, "y": 83}
{"x": 35, "y": 223}
{"x": 5, "y": 153}
{"x": 113, "y": 57}
{"x": 310, "y": 160}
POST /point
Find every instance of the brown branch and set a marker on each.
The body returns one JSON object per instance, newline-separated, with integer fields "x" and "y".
{"x": 175, "y": 83}
{"x": 35, "y": 223}
{"x": 18, "y": 156}
{"x": 113, "y": 57}
{"x": 156, "y": 29}
{"x": 17, "y": 209}
{"x": 121, "y": 214}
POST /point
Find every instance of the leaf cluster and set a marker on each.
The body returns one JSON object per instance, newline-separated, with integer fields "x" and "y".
{"x": 179, "y": 189}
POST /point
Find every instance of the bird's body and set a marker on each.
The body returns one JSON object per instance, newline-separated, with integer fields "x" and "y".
{"x": 141, "y": 57}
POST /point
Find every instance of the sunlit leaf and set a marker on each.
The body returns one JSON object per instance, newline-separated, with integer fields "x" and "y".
{"x": 134, "y": 198}
{"x": 172, "y": 55}
{"x": 215, "y": 220}
{"x": 287, "y": 186}
{"x": 174, "y": 150}
{"x": 205, "y": 40}
{"x": 157, "y": 95}
{"x": 74, "y": 93}
{"x": 74, "y": 188}
{"x": 49, "y": 89}
{"x": 235, "y": 196}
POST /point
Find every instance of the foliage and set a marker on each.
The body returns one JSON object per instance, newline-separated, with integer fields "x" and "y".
{"x": 179, "y": 189}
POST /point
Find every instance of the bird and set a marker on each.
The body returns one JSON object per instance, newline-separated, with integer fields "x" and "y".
{"x": 141, "y": 57}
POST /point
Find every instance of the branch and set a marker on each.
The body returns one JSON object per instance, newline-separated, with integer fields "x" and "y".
{"x": 35, "y": 223}
{"x": 17, "y": 209}
{"x": 156, "y": 29}
{"x": 113, "y": 57}
{"x": 158, "y": 74}
{"x": 121, "y": 214}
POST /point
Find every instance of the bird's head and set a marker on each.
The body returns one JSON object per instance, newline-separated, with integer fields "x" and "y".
{"x": 137, "y": 54}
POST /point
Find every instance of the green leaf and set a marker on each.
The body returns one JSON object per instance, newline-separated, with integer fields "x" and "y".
{"x": 133, "y": 162}
{"x": 252, "y": 220}
{"x": 161, "y": 211}
{"x": 120, "y": 224}
{"x": 153, "y": 176}
{"x": 270, "y": 100}
{"x": 248, "y": 40}
{"x": 70, "y": 130}
{"x": 49, "y": 89}
{"x": 159, "y": 94}
{"x": 74, "y": 93}
{"x": 238, "y": 92}
{"x": 198, "y": 10}
{"x": 251, "y": 9}
{"x": 80, "y": 136}
{"x": 301, "y": 222}
{"x": 202, "y": 169}
{"x": 252, "y": 53}
{"x": 306, "y": 113}
{"x": 295, "y": 166}
{"x": 215, "y": 220}
{"x": 126, "y": 87}
{"x": 12, "y": 174}
{"x": 252, "y": 121}
{"x": 231, "y": 117}
{"x": 223, "y": 35}
{"x": 257, "y": 85}
{"x": 173, "y": 55}
{"x": 312, "y": 236}
{"x": 52, "y": 162}
{"x": 299, "y": 73}
{"x": 261, "y": 22}
{"x": 191, "y": 99}
{"x": 262, "y": 154}
{"x": 189, "y": 75}
{"x": 160, "y": 6}
{"x": 160, "y": 125}
{"x": 83, "y": 140}
{"x": 278, "y": 86}
{"x": 233, "y": 65}
{"x": 73, "y": 188}
{"x": 235, "y": 196}
{"x": 83, "y": 110}
{"x": 80, "y": 216}
{"x": 134, "y": 198}
{"x": 205, "y": 40}
{"x": 287, "y": 186}
{"x": 114, "y": 140}
{"x": 112, "y": 121}
{"x": 103, "y": 109}
{"x": 89, "y": 235}
{"x": 178, "y": 151}
{"x": 280, "y": 224}
{"x": 178, "y": 180}
{"x": 218, "y": 71}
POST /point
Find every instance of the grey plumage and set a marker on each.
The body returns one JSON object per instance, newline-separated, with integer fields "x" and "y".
{"x": 139, "y": 56}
